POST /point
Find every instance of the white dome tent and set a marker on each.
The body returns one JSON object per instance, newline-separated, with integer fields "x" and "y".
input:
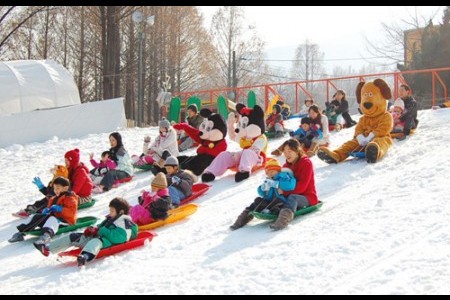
{"x": 27, "y": 85}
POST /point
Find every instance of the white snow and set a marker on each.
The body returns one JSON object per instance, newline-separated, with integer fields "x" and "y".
{"x": 383, "y": 228}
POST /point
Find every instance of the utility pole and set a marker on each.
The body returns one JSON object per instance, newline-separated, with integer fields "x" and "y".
{"x": 234, "y": 75}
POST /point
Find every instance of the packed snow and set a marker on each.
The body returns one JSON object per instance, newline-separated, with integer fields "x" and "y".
{"x": 383, "y": 228}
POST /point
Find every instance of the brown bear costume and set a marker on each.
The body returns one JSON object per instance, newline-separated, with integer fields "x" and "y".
{"x": 373, "y": 128}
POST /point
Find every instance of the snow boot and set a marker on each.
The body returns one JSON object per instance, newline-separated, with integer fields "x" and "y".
{"x": 44, "y": 239}
{"x": 242, "y": 220}
{"x": 279, "y": 134}
{"x": 81, "y": 259}
{"x": 208, "y": 177}
{"x": 42, "y": 248}
{"x": 286, "y": 215}
{"x": 372, "y": 153}
{"x": 17, "y": 237}
{"x": 328, "y": 156}
{"x": 241, "y": 176}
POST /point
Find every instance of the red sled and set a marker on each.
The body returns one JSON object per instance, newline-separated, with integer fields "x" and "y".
{"x": 198, "y": 189}
{"x": 137, "y": 242}
{"x": 123, "y": 180}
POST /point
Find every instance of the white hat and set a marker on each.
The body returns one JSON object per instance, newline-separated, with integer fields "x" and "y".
{"x": 399, "y": 103}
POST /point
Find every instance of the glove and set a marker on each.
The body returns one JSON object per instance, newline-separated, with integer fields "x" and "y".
{"x": 291, "y": 133}
{"x": 315, "y": 127}
{"x": 46, "y": 211}
{"x": 176, "y": 180}
{"x": 147, "y": 139}
{"x": 38, "y": 182}
{"x": 56, "y": 208}
{"x": 361, "y": 139}
{"x": 91, "y": 231}
{"x": 271, "y": 183}
{"x": 140, "y": 200}
{"x": 310, "y": 136}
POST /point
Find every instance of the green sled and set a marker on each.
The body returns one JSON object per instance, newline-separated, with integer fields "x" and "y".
{"x": 271, "y": 135}
{"x": 88, "y": 204}
{"x": 174, "y": 110}
{"x": 81, "y": 222}
{"x": 303, "y": 211}
{"x": 222, "y": 107}
{"x": 251, "y": 99}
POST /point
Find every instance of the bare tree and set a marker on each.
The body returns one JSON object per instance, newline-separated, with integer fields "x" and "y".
{"x": 308, "y": 62}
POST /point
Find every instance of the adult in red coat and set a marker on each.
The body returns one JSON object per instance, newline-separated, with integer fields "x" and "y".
{"x": 304, "y": 193}
{"x": 81, "y": 183}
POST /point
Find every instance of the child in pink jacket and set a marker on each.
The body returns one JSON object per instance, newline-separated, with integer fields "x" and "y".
{"x": 153, "y": 205}
{"x": 101, "y": 168}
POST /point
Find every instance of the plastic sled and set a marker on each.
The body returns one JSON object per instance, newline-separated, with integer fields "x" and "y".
{"x": 302, "y": 211}
{"x": 175, "y": 215}
{"x": 255, "y": 168}
{"x": 137, "y": 242}
{"x": 81, "y": 222}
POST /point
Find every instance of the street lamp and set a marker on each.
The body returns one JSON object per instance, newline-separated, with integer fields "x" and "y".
{"x": 138, "y": 19}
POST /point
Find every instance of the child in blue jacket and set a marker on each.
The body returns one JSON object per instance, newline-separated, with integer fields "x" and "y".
{"x": 306, "y": 132}
{"x": 270, "y": 191}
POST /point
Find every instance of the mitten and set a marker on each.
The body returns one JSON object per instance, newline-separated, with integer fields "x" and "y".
{"x": 46, "y": 210}
{"x": 291, "y": 133}
{"x": 315, "y": 127}
{"x": 56, "y": 208}
{"x": 361, "y": 139}
{"x": 147, "y": 139}
{"x": 91, "y": 231}
{"x": 38, "y": 182}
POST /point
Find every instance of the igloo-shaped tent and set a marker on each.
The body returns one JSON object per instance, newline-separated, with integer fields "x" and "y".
{"x": 27, "y": 85}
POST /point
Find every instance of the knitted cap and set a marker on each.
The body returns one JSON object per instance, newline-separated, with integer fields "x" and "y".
{"x": 171, "y": 161}
{"x": 273, "y": 164}
{"x": 159, "y": 181}
{"x": 399, "y": 103}
{"x": 164, "y": 123}
{"x": 73, "y": 156}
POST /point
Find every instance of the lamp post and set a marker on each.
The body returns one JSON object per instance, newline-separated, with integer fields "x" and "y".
{"x": 138, "y": 19}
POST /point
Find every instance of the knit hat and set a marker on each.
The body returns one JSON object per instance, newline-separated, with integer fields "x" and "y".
{"x": 399, "y": 103}
{"x": 192, "y": 107}
{"x": 73, "y": 156}
{"x": 164, "y": 123}
{"x": 159, "y": 181}
{"x": 306, "y": 120}
{"x": 171, "y": 161}
{"x": 273, "y": 164}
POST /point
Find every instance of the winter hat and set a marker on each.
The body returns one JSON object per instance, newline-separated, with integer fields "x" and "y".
{"x": 73, "y": 156}
{"x": 171, "y": 161}
{"x": 276, "y": 108}
{"x": 120, "y": 204}
{"x": 310, "y": 100}
{"x": 306, "y": 120}
{"x": 399, "y": 103}
{"x": 193, "y": 107}
{"x": 159, "y": 181}
{"x": 273, "y": 164}
{"x": 60, "y": 170}
{"x": 164, "y": 123}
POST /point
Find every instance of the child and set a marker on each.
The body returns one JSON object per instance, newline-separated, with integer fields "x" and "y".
{"x": 164, "y": 145}
{"x": 117, "y": 228}
{"x": 79, "y": 178}
{"x": 39, "y": 205}
{"x": 180, "y": 182}
{"x": 271, "y": 192}
{"x": 100, "y": 169}
{"x": 61, "y": 208}
{"x": 305, "y": 109}
{"x": 153, "y": 205}
{"x": 195, "y": 120}
{"x": 274, "y": 121}
{"x": 397, "y": 111}
{"x": 306, "y": 132}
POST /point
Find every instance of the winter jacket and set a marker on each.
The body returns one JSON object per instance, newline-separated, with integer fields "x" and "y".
{"x": 81, "y": 183}
{"x": 398, "y": 124}
{"x": 122, "y": 159}
{"x": 69, "y": 203}
{"x": 302, "y": 134}
{"x": 185, "y": 185}
{"x": 304, "y": 174}
{"x": 273, "y": 119}
{"x": 409, "y": 115}
{"x": 339, "y": 107}
{"x": 164, "y": 143}
{"x": 322, "y": 121}
{"x": 101, "y": 168}
{"x": 208, "y": 147}
{"x": 286, "y": 182}
{"x": 195, "y": 121}
{"x": 151, "y": 207}
{"x": 117, "y": 231}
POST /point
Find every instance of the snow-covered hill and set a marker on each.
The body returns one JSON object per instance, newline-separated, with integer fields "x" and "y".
{"x": 383, "y": 228}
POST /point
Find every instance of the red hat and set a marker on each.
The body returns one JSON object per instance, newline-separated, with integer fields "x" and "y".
{"x": 73, "y": 156}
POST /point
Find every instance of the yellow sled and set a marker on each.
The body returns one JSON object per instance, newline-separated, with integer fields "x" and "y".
{"x": 175, "y": 215}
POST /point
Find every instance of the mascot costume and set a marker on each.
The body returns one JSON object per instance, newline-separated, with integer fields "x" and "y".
{"x": 373, "y": 128}
{"x": 249, "y": 134}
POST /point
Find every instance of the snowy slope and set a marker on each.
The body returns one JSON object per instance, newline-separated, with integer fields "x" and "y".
{"x": 383, "y": 228}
